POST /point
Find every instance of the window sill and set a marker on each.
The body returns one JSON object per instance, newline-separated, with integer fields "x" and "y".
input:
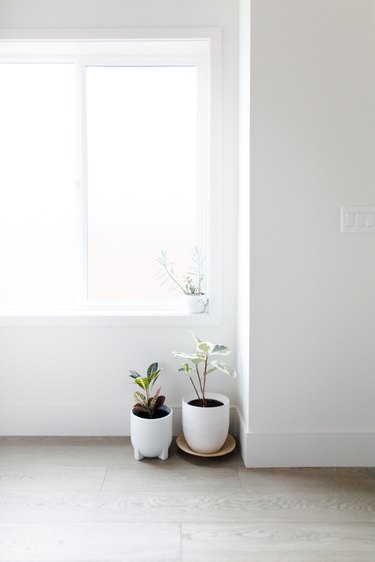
{"x": 107, "y": 318}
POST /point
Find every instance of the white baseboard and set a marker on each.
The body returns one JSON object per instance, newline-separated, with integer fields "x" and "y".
{"x": 63, "y": 419}
{"x": 76, "y": 420}
{"x": 259, "y": 450}
{"x": 272, "y": 450}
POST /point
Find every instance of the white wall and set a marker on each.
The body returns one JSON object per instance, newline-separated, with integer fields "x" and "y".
{"x": 74, "y": 380}
{"x": 312, "y": 382}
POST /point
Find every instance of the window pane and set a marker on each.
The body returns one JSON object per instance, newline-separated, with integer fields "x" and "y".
{"x": 142, "y": 177}
{"x": 37, "y": 200}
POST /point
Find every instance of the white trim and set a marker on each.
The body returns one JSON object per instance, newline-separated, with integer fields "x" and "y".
{"x": 108, "y": 318}
{"x": 63, "y": 39}
{"x": 82, "y": 175}
{"x": 242, "y": 436}
{"x": 272, "y": 450}
{"x": 109, "y": 33}
{"x": 216, "y": 195}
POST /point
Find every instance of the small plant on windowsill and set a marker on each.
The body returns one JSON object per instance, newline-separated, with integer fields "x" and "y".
{"x": 190, "y": 285}
{"x": 150, "y": 418}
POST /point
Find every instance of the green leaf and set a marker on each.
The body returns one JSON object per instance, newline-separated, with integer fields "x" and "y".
{"x": 206, "y": 347}
{"x": 143, "y": 383}
{"x": 198, "y": 360}
{"x": 152, "y": 378}
{"x": 134, "y": 374}
{"x": 224, "y": 368}
{"x": 141, "y": 399}
{"x": 152, "y": 402}
{"x": 152, "y": 369}
{"x": 185, "y": 355}
{"x": 220, "y": 350}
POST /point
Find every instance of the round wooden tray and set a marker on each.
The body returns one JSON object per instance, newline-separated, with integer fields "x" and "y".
{"x": 228, "y": 447}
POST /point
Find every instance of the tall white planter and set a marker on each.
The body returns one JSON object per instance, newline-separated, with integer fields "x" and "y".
{"x": 151, "y": 437}
{"x": 205, "y": 429}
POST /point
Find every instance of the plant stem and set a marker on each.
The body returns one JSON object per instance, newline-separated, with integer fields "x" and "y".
{"x": 173, "y": 278}
{"x": 204, "y": 378}
{"x": 195, "y": 388}
{"x": 203, "y": 399}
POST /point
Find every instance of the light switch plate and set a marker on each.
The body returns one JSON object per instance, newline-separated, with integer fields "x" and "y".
{"x": 357, "y": 219}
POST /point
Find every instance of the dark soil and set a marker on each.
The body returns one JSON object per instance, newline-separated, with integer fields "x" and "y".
{"x": 161, "y": 413}
{"x": 210, "y": 403}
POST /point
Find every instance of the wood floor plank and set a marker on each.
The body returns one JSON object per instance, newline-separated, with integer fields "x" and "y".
{"x": 165, "y": 477}
{"x": 34, "y": 451}
{"x": 100, "y": 542}
{"x": 281, "y": 542}
{"x": 183, "y": 507}
{"x": 52, "y": 478}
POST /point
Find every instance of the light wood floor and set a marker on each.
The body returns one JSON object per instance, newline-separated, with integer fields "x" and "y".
{"x": 87, "y": 500}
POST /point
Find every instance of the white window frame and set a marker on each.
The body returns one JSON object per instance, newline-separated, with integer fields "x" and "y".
{"x": 92, "y": 47}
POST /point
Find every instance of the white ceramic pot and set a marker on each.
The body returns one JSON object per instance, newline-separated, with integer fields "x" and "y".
{"x": 205, "y": 429}
{"x": 195, "y": 304}
{"x": 151, "y": 437}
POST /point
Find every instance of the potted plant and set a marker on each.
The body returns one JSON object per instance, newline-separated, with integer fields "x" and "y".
{"x": 195, "y": 301}
{"x": 150, "y": 418}
{"x": 205, "y": 415}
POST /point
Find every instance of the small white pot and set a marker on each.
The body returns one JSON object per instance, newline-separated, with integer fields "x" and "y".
{"x": 151, "y": 437}
{"x": 195, "y": 304}
{"x": 205, "y": 429}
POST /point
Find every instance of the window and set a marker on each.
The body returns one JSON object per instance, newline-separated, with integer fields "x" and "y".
{"x": 37, "y": 200}
{"x": 142, "y": 172}
{"x": 106, "y": 160}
